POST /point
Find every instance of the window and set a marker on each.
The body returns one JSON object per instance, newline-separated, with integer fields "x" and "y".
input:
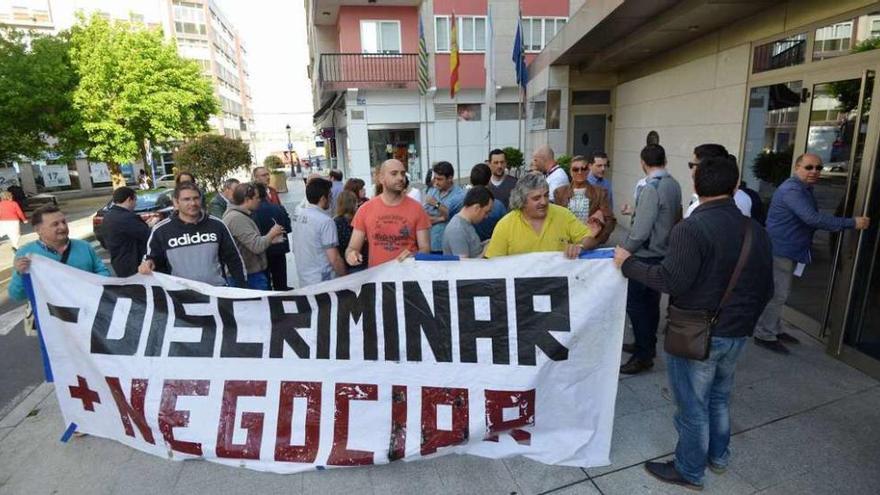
{"x": 380, "y": 36}
{"x": 471, "y": 34}
{"x": 508, "y": 111}
{"x": 843, "y": 38}
{"x": 778, "y": 54}
{"x": 538, "y": 31}
{"x": 469, "y": 112}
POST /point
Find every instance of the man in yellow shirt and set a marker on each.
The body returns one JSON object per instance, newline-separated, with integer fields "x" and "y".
{"x": 535, "y": 225}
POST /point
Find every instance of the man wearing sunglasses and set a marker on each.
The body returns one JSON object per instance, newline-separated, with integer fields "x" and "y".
{"x": 791, "y": 221}
{"x": 704, "y": 152}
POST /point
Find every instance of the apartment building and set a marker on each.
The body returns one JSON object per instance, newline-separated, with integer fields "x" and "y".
{"x": 769, "y": 80}
{"x": 364, "y": 63}
{"x": 202, "y": 33}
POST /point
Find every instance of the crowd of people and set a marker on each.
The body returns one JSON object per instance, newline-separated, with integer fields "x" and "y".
{"x": 722, "y": 255}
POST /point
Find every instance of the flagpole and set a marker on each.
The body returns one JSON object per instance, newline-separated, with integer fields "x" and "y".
{"x": 427, "y": 135}
{"x": 457, "y": 146}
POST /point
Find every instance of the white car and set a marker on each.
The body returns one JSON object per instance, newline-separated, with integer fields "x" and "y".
{"x": 166, "y": 181}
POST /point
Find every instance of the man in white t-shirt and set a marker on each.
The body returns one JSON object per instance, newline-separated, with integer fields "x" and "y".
{"x": 544, "y": 161}
{"x": 709, "y": 150}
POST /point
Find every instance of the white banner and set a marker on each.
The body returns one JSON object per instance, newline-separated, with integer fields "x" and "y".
{"x": 495, "y": 358}
{"x": 100, "y": 172}
{"x": 56, "y": 176}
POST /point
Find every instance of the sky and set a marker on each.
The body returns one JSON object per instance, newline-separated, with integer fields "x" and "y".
{"x": 274, "y": 34}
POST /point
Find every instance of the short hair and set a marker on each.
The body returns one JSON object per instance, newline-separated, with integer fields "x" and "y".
{"x": 532, "y": 181}
{"x": 497, "y": 151}
{"x": 580, "y": 158}
{"x": 336, "y": 174}
{"x": 258, "y": 167}
{"x": 800, "y": 159}
{"x": 123, "y": 194}
{"x": 230, "y": 183}
{"x": 709, "y": 150}
{"x": 185, "y": 186}
{"x": 716, "y": 175}
{"x": 591, "y": 158}
{"x": 443, "y": 168}
{"x": 39, "y": 213}
{"x": 317, "y": 189}
{"x": 244, "y": 191}
{"x": 478, "y": 195}
{"x": 480, "y": 175}
{"x": 6, "y": 196}
{"x": 652, "y": 138}
{"x": 654, "y": 155}
{"x": 346, "y": 204}
{"x": 177, "y": 177}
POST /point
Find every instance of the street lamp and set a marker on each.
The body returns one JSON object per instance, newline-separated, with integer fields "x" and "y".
{"x": 290, "y": 152}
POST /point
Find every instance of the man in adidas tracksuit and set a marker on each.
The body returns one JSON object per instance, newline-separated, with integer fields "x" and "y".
{"x": 192, "y": 245}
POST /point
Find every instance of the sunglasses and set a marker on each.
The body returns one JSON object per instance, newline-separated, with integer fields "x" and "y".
{"x": 578, "y": 169}
{"x": 810, "y": 168}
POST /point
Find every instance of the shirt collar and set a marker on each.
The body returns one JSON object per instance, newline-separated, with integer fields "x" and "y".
{"x": 51, "y": 249}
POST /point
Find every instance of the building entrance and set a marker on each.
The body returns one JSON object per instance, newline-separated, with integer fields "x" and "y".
{"x": 400, "y": 144}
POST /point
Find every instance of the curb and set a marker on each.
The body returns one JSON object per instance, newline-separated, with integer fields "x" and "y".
{"x": 22, "y": 410}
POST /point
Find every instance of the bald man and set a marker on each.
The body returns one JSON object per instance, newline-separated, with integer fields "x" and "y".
{"x": 394, "y": 225}
{"x": 544, "y": 161}
{"x": 791, "y": 221}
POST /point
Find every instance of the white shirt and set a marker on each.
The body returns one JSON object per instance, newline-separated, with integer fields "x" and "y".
{"x": 742, "y": 200}
{"x": 556, "y": 179}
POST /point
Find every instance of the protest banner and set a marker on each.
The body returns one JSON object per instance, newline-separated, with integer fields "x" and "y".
{"x": 495, "y": 358}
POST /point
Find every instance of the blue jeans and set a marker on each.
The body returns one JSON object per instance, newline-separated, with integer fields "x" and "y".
{"x": 256, "y": 280}
{"x": 643, "y": 308}
{"x": 702, "y": 395}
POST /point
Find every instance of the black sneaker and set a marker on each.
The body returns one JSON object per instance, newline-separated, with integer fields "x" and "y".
{"x": 665, "y": 472}
{"x": 635, "y": 366}
{"x": 787, "y": 338}
{"x": 772, "y": 345}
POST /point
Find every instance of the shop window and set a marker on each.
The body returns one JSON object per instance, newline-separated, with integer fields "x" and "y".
{"x": 778, "y": 54}
{"x": 851, "y": 36}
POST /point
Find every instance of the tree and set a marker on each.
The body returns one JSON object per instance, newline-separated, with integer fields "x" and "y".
{"x": 272, "y": 162}
{"x": 135, "y": 87}
{"x": 36, "y": 90}
{"x": 514, "y": 157}
{"x": 211, "y": 158}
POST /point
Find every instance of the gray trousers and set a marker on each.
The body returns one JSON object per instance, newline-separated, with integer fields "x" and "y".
{"x": 770, "y": 323}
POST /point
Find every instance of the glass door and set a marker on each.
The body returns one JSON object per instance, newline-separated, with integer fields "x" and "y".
{"x": 835, "y": 130}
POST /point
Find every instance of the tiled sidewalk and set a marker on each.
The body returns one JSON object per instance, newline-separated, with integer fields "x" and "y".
{"x": 804, "y": 423}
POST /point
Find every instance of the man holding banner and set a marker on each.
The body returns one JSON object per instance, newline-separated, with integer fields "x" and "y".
{"x": 535, "y": 225}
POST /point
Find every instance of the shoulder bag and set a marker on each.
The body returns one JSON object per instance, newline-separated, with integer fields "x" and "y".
{"x": 689, "y": 331}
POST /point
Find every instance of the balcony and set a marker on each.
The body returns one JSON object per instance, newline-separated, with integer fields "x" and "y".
{"x": 368, "y": 70}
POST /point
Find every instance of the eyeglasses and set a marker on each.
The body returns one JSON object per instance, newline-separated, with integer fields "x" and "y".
{"x": 810, "y": 168}
{"x": 691, "y": 165}
{"x": 575, "y": 170}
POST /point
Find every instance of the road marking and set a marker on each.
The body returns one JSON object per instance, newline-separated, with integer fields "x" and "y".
{"x": 12, "y": 318}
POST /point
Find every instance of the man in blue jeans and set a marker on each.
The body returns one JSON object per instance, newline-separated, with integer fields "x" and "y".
{"x": 703, "y": 252}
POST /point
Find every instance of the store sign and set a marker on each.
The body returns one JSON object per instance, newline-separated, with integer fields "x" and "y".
{"x": 100, "y": 172}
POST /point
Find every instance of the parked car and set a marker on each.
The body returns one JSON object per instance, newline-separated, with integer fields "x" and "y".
{"x": 151, "y": 204}
{"x": 165, "y": 181}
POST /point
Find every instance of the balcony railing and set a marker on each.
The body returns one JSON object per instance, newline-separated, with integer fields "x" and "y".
{"x": 368, "y": 69}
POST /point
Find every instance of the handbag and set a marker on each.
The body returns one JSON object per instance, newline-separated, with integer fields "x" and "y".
{"x": 689, "y": 331}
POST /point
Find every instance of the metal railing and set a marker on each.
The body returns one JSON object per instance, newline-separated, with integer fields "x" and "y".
{"x": 368, "y": 67}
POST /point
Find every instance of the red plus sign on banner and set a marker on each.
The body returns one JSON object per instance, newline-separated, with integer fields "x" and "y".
{"x": 82, "y": 392}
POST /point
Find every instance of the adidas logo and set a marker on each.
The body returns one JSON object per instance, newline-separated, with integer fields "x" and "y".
{"x": 187, "y": 239}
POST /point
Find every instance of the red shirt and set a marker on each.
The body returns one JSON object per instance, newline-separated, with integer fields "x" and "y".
{"x": 9, "y": 210}
{"x": 390, "y": 229}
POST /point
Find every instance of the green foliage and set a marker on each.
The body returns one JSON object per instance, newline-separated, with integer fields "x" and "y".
{"x": 36, "y": 86}
{"x": 134, "y": 86}
{"x": 514, "y": 157}
{"x": 867, "y": 45}
{"x": 211, "y": 158}
{"x": 272, "y": 162}
{"x": 564, "y": 161}
{"x": 772, "y": 166}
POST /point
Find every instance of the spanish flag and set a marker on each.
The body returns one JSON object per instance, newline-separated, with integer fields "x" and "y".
{"x": 454, "y": 85}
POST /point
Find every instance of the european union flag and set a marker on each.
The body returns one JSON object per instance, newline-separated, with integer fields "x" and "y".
{"x": 519, "y": 57}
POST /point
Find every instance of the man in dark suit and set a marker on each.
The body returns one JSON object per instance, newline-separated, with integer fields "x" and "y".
{"x": 265, "y": 216}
